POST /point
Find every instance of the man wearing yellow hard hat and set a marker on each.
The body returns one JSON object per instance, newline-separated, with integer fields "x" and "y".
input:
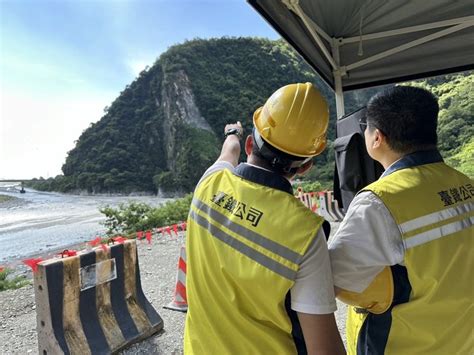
{"x": 258, "y": 273}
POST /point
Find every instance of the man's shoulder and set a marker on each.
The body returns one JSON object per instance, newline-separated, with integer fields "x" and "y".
{"x": 365, "y": 196}
{"x": 218, "y": 166}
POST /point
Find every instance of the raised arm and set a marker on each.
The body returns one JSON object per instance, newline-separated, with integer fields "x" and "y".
{"x": 230, "y": 151}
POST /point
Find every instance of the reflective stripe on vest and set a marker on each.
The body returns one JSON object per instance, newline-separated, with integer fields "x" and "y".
{"x": 243, "y": 232}
{"x": 433, "y": 207}
{"x": 432, "y": 222}
{"x": 244, "y": 245}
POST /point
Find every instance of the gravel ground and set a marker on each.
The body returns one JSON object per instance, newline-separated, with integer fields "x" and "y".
{"x": 158, "y": 273}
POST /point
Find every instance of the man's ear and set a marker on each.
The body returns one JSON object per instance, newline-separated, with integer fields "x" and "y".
{"x": 304, "y": 168}
{"x": 248, "y": 144}
{"x": 379, "y": 139}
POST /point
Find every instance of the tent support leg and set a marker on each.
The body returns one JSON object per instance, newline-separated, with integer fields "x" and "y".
{"x": 339, "y": 95}
{"x": 338, "y": 73}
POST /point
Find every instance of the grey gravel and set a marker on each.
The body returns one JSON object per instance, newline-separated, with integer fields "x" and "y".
{"x": 158, "y": 264}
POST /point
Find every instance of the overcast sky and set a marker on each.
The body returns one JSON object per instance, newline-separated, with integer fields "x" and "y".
{"x": 63, "y": 61}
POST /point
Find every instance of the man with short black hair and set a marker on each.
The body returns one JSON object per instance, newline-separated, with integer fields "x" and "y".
{"x": 403, "y": 256}
{"x": 258, "y": 272}
{"x": 408, "y": 117}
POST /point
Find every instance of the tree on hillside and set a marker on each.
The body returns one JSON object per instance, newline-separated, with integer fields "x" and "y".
{"x": 456, "y": 118}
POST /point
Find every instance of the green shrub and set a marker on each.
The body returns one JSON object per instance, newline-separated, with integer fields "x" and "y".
{"x": 171, "y": 212}
{"x": 126, "y": 218}
{"x": 132, "y": 217}
{"x": 11, "y": 283}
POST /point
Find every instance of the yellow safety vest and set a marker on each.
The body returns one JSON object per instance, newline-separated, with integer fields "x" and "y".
{"x": 245, "y": 242}
{"x": 432, "y": 310}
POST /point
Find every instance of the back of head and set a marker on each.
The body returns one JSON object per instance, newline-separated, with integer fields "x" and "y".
{"x": 407, "y": 116}
{"x": 291, "y": 127}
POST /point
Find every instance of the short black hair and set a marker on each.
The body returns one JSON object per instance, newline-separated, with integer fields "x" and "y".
{"x": 407, "y": 116}
{"x": 265, "y": 163}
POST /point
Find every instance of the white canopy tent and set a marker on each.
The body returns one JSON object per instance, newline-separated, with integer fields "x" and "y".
{"x": 356, "y": 44}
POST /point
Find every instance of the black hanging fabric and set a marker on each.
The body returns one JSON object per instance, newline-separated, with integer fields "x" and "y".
{"x": 354, "y": 168}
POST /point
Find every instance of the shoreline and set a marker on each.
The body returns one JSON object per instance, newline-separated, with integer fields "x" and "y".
{"x": 76, "y": 192}
{"x": 8, "y": 201}
{"x": 39, "y": 224}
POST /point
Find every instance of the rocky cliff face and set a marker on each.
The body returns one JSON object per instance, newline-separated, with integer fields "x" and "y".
{"x": 179, "y": 108}
{"x": 162, "y": 131}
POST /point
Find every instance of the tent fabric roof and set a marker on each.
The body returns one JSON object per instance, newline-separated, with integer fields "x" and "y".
{"x": 348, "y": 27}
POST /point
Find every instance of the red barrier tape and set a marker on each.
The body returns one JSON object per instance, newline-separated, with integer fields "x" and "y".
{"x": 119, "y": 239}
{"x": 33, "y": 263}
{"x": 95, "y": 242}
{"x": 68, "y": 253}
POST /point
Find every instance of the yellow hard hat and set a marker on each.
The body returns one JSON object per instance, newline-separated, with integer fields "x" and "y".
{"x": 376, "y": 298}
{"x": 294, "y": 120}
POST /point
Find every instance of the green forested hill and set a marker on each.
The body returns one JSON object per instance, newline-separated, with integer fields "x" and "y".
{"x": 165, "y": 128}
{"x": 456, "y": 118}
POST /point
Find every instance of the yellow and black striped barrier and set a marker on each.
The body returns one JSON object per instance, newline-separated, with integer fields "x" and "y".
{"x": 92, "y": 303}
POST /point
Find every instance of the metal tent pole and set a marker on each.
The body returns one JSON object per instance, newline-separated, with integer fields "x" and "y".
{"x": 340, "y": 111}
{"x": 338, "y": 73}
{"x": 332, "y": 58}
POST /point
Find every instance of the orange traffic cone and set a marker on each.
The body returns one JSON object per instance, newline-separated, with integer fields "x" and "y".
{"x": 180, "y": 302}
